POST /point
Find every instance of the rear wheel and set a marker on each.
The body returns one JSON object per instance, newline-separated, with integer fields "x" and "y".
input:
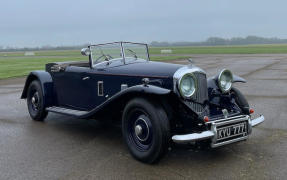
{"x": 146, "y": 130}
{"x": 35, "y": 101}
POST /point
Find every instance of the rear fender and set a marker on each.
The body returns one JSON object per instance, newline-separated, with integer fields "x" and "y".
{"x": 46, "y": 82}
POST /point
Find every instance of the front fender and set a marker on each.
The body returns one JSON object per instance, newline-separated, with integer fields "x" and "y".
{"x": 226, "y": 101}
{"x": 213, "y": 84}
{"x": 127, "y": 93}
{"x": 238, "y": 79}
{"x": 46, "y": 82}
{"x": 147, "y": 89}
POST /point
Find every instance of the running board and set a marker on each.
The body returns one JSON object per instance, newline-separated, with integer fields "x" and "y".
{"x": 70, "y": 112}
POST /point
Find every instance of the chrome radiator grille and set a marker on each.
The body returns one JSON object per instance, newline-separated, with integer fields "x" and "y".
{"x": 201, "y": 93}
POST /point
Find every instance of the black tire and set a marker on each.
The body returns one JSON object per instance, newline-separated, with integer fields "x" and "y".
{"x": 152, "y": 142}
{"x": 35, "y": 101}
{"x": 240, "y": 100}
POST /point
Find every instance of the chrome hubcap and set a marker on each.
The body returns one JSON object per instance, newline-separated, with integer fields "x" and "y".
{"x": 35, "y": 100}
{"x": 138, "y": 130}
{"x": 141, "y": 129}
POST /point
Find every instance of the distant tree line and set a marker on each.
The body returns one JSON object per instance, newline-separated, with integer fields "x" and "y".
{"x": 212, "y": 41}
{"x": 217, "y": 41}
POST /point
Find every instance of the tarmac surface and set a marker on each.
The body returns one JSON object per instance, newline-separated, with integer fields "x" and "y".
{"x": 65, "y": 148}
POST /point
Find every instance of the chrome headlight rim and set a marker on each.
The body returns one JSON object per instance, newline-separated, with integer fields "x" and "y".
{"x": 195, "y": 85}
{"x": 219, "y": 79}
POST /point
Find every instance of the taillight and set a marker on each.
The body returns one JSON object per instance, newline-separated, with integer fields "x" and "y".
{"x": 205, "y": 118}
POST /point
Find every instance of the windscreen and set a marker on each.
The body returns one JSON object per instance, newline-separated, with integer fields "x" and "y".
{"x": 113, "y": 51}
{"x": 135, "y": 51}
{"x": 105, "y": 52}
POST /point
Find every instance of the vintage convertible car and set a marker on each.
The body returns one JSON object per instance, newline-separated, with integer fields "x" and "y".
{"x": 159, "y": 103}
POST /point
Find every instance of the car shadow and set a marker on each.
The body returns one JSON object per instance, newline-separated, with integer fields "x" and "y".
{"x": 88, "y": 128}
{"x": 108, "y": 135}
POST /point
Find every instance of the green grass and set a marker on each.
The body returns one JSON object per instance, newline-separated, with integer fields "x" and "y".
{"x": 21, "y": 66}
{"x": 250, "y": 49}
{"x": 15, "y": 64}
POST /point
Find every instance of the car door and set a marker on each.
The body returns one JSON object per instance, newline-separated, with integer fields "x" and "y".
{"x": 74, "y": 88}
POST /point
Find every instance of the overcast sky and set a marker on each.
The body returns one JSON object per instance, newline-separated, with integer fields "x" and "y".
{"x": 68, "y": 22}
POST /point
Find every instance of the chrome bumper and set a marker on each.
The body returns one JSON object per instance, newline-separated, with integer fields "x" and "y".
{"x": 212, "y": 133}
{"x": 257, "y": 121}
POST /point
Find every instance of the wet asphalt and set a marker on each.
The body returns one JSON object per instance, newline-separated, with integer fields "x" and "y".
{"x": 66, "y": 148}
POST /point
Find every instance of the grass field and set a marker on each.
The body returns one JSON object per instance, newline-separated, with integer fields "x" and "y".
{"x": 249, "y": 49}
{"x": 15, "y": 64}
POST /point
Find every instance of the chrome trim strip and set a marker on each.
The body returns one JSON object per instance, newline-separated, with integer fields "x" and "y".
{"x": 185, "y": 70}
{"x": 147, "y": 51}
{"x": 232, "y": 121}
{"x": 227, "y": 119}
{"x": 100, "y": 88}
{"x": 192, "y": 137}
{"x": 228, "y": 142}
{"x": 219, "y": 77}
{"x": 123, "y": 52}
{"x": 214, "y": 129}
{"x": 116, "y": 42}
{"x": 195, "y": 85}
{"x": 257, "y": 121}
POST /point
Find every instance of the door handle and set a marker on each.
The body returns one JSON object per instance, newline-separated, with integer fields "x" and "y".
{"x": 86, "y": 78}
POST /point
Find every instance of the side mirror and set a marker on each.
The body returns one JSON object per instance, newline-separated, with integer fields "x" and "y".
{"x": 86, "y": 51}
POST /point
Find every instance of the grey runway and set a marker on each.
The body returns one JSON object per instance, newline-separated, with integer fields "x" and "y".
{"x": 66, "y": 148}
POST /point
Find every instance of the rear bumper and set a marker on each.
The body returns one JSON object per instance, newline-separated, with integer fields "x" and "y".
{"x": 212, "y": 133}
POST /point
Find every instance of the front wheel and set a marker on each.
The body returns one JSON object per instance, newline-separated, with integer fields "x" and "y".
{"x": 240, "y": 100}
{"x": 146, "y": 130}
{"x": 35, "y": 101}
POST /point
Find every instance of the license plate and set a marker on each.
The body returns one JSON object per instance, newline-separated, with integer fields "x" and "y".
{"x": 231, "y": 131}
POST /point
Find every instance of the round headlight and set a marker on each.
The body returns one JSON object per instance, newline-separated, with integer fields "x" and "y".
{"x": 225, "y": 80}
{"x": 187, "y": 85}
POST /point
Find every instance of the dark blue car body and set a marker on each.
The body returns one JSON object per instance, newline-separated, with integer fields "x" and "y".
{"x": 73, "y": 91}
{"x": 86, "y": 91}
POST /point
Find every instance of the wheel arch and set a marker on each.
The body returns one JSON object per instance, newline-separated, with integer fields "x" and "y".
{"x": 241, "y": 100}
{"x": 119, "y": 101}
{"x": 159, "y": 99}
{"x": 46, "y": 83}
